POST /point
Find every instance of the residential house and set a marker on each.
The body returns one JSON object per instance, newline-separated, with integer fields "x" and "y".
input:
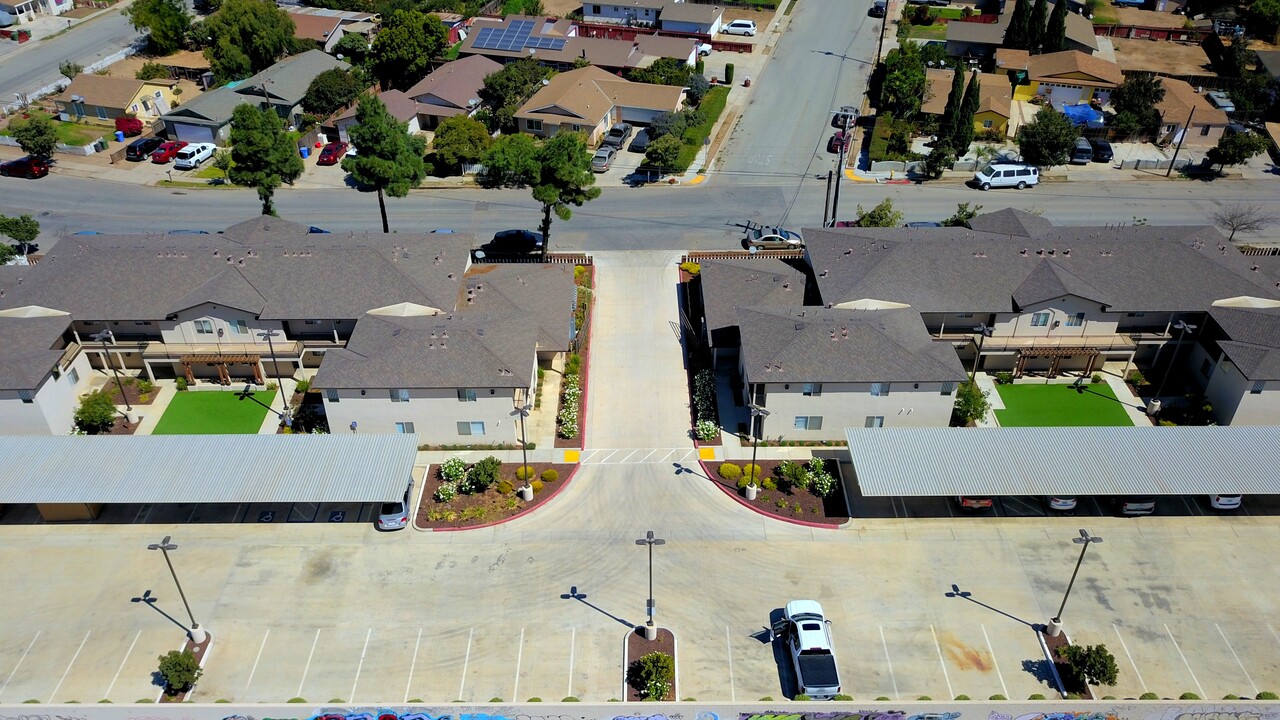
{"x": 1182, "y": 104}
{"x": 1237, "y": 358}
{"x": 454, "y": 23}
{"x": 282, "y": 86}
{"x": 978, "y": 40}
{"x": 1056, "y": 298}
{"x": 691, "y": 17}
{"x": 326, "y": 26}
{"x": 632, "y": 13}
{"x": 1268, "y": 63}
{"x": 107, "y": 98}
{"x": 42, "y": 371}
{"x": 188, "y": 65}
{"x": 543, "y": 296}
{"x": 726, "y": 285}
{"x": 589, "y": 100}
{"x": 556, "y": 44}
{"x": 994, "y": 98}
{"x": 452, "y": 89}
{"x": 1062, "y": 78}
{"x": 399, "y": 105}
{"x": 820, "y": 370}
{"x": 25, "y": 11}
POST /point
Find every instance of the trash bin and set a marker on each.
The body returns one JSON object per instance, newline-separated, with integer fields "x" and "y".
{"x": 100, "y": 146}
{"x": 119, "y": 136}
{"x": 306, "y": 152}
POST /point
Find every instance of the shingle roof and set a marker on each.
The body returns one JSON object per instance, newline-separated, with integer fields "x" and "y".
{"x": 690, "y": 12}
{"x": 215, "y": 106}
{"x": 543, "y": 296}
{"x": 445, "y": 351}
{"x": 288, "y": 79}
{"x": 1254, "y": 339}
{"x": 456, "y": 83}
{"x": 263, "y": 263}
{"x": 994, "y": 91}
{"x": 1180, "y": 98}
{"x": 749, "y": 282}
{"x": 1050, "y": 280}
{"x": 399, "y": 105}
{"x": 1079, "y": 30}
{"x": 27, "y": 353}
{"x": 837, "y": 345}
{"x": 1137, "y": 269}
{"x": 590, "y": 93}
{"x": 105, "y": 91}
{"x": 1050, "y": 65}
{"x": 313, "y": 27}
{"x": 1011, "y": 221}
{"x": 601, "y": 52}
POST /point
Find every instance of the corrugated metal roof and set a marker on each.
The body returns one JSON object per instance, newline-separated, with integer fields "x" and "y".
{"x": 205, "y": 468}
{"x": 1066, "y": 460}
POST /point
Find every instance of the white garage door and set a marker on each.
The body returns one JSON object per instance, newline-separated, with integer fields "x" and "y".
{"x": 643, "y": 116}
{"x": 1065, "y": 95}
{"x": 192, "y": 133}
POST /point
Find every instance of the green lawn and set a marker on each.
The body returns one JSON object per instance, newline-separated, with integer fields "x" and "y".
{"x": 74, "y": 133}
{"x": 712, "y": 106}
{"x": 927, "y": 32}
{"x": 214, "y": 413}
{"x": 1056, "y": 405}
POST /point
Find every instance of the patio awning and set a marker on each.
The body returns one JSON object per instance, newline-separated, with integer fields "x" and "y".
{"x": 1058, "y": 351}
{"x": 205, "y": 468}
{"x": 1066, "y": 461}
{"x": 217, "y": 359}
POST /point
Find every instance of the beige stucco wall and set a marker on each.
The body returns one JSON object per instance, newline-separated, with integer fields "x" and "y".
{"x": 844, "y": 405}
{"x": 53, "y": 405}
{"x": 435, "y": 414}
{"x": 182, "y": 330}
{"x": 1096, "y": 322}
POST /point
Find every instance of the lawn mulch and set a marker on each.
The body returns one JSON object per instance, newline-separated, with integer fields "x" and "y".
{"x": 122, "y": 427}
{"x": 800, "y": 504}
{"x": 1069, "y": 682}
{"x": 197, "y": 649}
{"x": 132, "y": 394}
{"x": 638, "y": 647}
{"x": 489, "y": 506}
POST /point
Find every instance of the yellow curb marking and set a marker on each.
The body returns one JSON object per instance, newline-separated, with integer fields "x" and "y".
{"x": 857, "y": 178}
{"x": 571, "y": 456}
{"x": 706, "y": 453}
{"x": 697, "y": 180}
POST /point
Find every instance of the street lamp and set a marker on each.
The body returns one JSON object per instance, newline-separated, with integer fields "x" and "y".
{"x": 650, "y": 631}
{"x": 983, "y": 331}
{"x": 103, "y": 337}
{"x": 198, "y": 635}
{"x": 1183, "y": 328}
{"x": 1084, "y": 541}
{"x": 756, "y": 412}
{"x": 523, "y": 412}
{"x": 268, "y": 334}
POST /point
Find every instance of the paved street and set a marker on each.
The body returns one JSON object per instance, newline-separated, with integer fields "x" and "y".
{"x": 36, "y": 67}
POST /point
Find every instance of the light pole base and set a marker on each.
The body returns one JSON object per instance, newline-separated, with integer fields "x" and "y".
{"x": 650, "y": 632}
{"x": 1153, "y": 407}
{"x": 752, "y": 492}
{"x": 198, "y": 635}
{"x": 526, "y": 493}
{"x": 131, "y": 417}
{"x": 1054, "y": 628}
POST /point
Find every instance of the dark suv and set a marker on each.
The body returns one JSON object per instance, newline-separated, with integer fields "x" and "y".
{"x": 141, "y": 148}
{"x": 511, "y": 242}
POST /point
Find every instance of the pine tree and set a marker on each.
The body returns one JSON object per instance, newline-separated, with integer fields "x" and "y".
{"x": 1036, "y": 26}
{"x": 963, "y": 135}
{"x": 950, "y": 116}
{"x": 388, "y": 159}
{"x": 1018, "y": 35}
{"x": 1055, "y": 35}
{"x": 263, "y": 155}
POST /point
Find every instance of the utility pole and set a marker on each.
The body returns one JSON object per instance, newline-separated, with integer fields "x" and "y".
{"x": 826, "y": 200}
{"x": 835, "y": 203}
{"x": 1183, "y": 136}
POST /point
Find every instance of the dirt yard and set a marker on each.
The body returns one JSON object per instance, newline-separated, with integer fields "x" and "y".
{"x": 1172, "y": 57}
{"x": 128, "y": 68}
{"x": 560, "y": 8}
{"x": 1147, "y": 18}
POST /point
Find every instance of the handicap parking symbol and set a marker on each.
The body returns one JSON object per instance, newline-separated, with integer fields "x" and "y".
{"x": 267, "y": 516}
{"x": 337, "y": 516}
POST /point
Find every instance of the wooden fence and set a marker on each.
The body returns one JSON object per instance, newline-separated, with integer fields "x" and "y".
{"x": 1143, "y": 32}
{"x": 698, "y": 256}
{"x": 622, "y": 32}
{"x": 555, "y": 258}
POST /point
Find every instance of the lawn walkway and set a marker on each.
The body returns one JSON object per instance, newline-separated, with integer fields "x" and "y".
{"x": 1060, "y": 405}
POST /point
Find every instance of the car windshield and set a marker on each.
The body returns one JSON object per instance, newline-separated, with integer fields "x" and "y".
{"x": 392, "y": 508}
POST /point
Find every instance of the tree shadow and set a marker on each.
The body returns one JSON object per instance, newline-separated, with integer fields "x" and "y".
{"x": 1040, "y": 670}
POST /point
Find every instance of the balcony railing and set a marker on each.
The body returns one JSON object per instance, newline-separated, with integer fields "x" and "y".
{"x": 1002, "y": 344}
{"x": 156, "y": 349}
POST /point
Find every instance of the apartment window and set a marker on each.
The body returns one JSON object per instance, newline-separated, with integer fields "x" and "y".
{"x": 1205, "y": 367}
{"x": 399, "y": 395}
{"x": 879, "y": 389}
{"x": 467, "y": 395}
{"x": 947, "y": 388}
{"x": 74, "y": 376}
{"x": 809, "y": 422}
{"x": 813, "y": 389}
{"x": 1039, "y": 319}
{"x": 1258, "y": 387}
{"x": 134, "y": 108}
{"x": 25, "y": 396}
{"x": 533, "y": 125}
{"x": 204, "y": 327}
{"x": 595, "y": 9}
{"x": 332, "y": 395}
{"x": 239, "y": 327}
{"x": 474, "y": 427}
{"x": 1076, "y": 320}
{"x": 404, "y": 427}
{"x": 874, "y": 421}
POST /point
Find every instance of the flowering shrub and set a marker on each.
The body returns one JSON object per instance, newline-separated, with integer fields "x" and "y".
{"x": 453, "y": 470}
{"x": 481, "y": 476}
{"x": 570, "y": 397}
{"x": 821, "y": 481}
{"x": 446, "y": 492}
{"x": 795, "y": 475}
{"x": 707, "y": 430}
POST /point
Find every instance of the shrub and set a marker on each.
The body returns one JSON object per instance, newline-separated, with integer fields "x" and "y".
{"x": 652, "y": 674}
{"x": 151, "y": 71}
{"x": 924, "y": 698}
{"x": 1004, "y": 378}
{"x": 704, "y": 396}
{"x": 181, "y": 383}
{"x": 571, "y": 394}
{"x": 1137, "y": 378}
{"x": 296, "y": 700}
{"x": 1108, "y": 697}
{"x": 524, "y": 472}
{"x": 1035, "y": 696}
{"x": 841, "y": 697}
{"x": 446, "y": 492}
{"x": 495, "y": 699}
{"x": 1268, "y": 695}
{"x": 802, "y": 697}
{"x": 483, "y": 474}
{"x": 823, "y": 482}
{"x": 963, "y": 697}
{"x": 728, "y": 74}
{"x": 1188, "y": 696}
{"x": 549, "y": 476}
{"x": 691, "y": 267}
{"x": 146, "y": 386}
{"x": 766, "y": 698}
{"x": 707, "y": 430}
{"x": 505, "y": 487}
{"x": 180, "y": 670}
{"x": 537, "y": 486}
{"x": 1148, "y": 696}
{"x": 97, "y": 412}
{"x": 453, "y": 470}
{"x": 569, "y": 698}
{"x": 997, "y": 696}
{"x": 743, "y": 482}
{"x": 794, "y": 475}
{"x": 1097, "y": 378}
{"x": 534, "y": 699}
{"x": 769, "y": 484}
{"x": 139, "y": 701}
{"x": 1093, "y": 664}
{"x": 752, "y": 473}
{"x": 338, "y": 701}
{"x": 302, "y": 386}
{"x": 883, "y": 698}
{"x": 729, "y": 471}
{"x": 573, "y": 366}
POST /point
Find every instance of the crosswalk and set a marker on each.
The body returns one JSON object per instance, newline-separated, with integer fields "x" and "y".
{"x": 638, "y": 456}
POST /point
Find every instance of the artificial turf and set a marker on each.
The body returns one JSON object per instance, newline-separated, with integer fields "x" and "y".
{"x": 1058, "y": 405}
{"x": 214, "y": 413}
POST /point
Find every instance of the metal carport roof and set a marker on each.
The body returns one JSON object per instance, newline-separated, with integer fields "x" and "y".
{"x": 205, "y": 468}
{"x": 1066, "y": 460}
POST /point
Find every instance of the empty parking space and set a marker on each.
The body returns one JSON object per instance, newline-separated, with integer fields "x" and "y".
{"x": 443, "y": 660}
{"x": 866, "y": 670}
{"x": 543, "y": 662}
{"x": 118, "y": 662}
{"x": 383, "y": 671}
{"x": 491, "y": 664}
{"x": 972, "y": 667}
{"x": 597, "y": 664}
{"x": 332, "y": 668}
{"x": 40, "y": 668}
{"x": 754, "y": 672}
{"x": 917, "y": 660}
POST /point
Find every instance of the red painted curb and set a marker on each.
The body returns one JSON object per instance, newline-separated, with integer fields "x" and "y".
{"x": 550, "y": 497}
{"x": 586, "y": 363}
{"x": 757, "y": 510}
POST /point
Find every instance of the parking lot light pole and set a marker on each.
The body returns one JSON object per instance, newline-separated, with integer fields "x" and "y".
{"x": 756, "y": 412}
{"x": 103, "y": 337}
{"x": 1084, "y": 541}
{"x": 523, "y": 411}
{"x": 197, "y": 634}
{"x": 650, "y": 630}
{"x": 1183, "y": 328}
{"x": 275, "y": 363}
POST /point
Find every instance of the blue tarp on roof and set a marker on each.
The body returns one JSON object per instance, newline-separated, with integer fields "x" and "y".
{"x": 1083, "y": 115}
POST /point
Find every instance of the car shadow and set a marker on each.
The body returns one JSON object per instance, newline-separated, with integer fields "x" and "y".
{"x": 787, "y": 680}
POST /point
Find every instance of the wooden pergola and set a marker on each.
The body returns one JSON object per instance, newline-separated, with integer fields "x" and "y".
{"x": 222, "y": 363}
{"x": 1056, "y": 353}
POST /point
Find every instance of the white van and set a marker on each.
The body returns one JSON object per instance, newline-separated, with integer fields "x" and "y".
{"x": 191, "y": 156}
{"x": 740, "y": 27}
{"x": 1006, "y": 175}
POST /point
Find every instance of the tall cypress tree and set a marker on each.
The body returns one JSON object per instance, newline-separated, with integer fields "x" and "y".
{"x": 1055, "y": 35}
{"x": 1018, "y": 34}
{"x": 963, "y": 135}
{"x": 951, "y": 116}
{"x": 1036, "y": 26}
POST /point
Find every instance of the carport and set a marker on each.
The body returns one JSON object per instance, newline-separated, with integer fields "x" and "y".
{"x": 72, "y": 477}
{"x": 936, "y": 462}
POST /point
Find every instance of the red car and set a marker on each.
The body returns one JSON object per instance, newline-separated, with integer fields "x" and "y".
{"x": 838, "y": 142}
{"x": 28, "y": 167}
{"x": 332, "y": 153}
{"x": 167, "y": 151}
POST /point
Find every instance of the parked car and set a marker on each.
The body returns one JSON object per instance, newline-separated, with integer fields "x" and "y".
{"x": 878, "y": 9}
{"x": 167, "y": 151}
{"x": 1006, "y": 175}
{"x": 970, "y": 502}
{"x": 704, "y": 49}
{"x": 1061, "y": 503}
{"x": 1081, "y": 153}
{"x": 332, "y": 153}
{"x": 771, "y": 238}
{"x": 191, "y": 156}
{"x": 1225, "y": 502}
{"x": 618, "y": 136}
{"x": 640, "y": 142}
{"x": 846, "y": 114}
{"x": 603, "y": 159}
{"x": 1101, "y": 150}
{"x": 1137, "y": 505}
{"x": 1221, "y": 100}
{"x": 27, "y": 167}
{"x": 740, "y": 27}
{"x": 839, "y": 142}
{"x": 1129, "y": 3}
{"x": 395, "y": 515}
{"x": 141, "y": 148}
{"x": 515, "y": 241}
{"x": 807, "y": 634}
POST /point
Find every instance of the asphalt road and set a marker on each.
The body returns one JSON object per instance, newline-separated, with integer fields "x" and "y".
{"x": 86, "y": 43}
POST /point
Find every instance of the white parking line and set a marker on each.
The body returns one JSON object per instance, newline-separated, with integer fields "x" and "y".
{"x": 107, "y": 694}
{"x": 728, "y": 643}
{"x": 1237, "y": 657}
{"x": 515, "y": 690}
{"x": 573, "y": 639}
{"x": 307, "y": 669}
{"x": 465, "y": 661}
{"x": 413, "y": 665}
{"x": 606, "y": 457}
{"x": 1119, "y": 637}
{"x": 256, "y": 658}
{"x": 646, "y": 456}
{"x": 37, "y": 637}
{"x": 360, "y": 666}
{"x": 896, "y": 695}
{"x": 941, "y": 661}
{"x": 667, "y": 455}
{"x": 1004, "y": 688}
{"x": 1184, "y": 659}
{"x": 53, "y": 695}
{"x": 628, "y": 457}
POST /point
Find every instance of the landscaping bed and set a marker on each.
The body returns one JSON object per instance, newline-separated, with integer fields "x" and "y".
{"x": 799, "y": 504}
{"x": 638, "y": 647}
{"x": 572, "y": 406}
{"x": 1070, "y": 683}
{"x": 493, "y": 504}
{"x": 136, "y": 392}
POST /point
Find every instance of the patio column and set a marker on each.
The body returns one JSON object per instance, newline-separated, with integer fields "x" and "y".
{"x": 186, "y": 369}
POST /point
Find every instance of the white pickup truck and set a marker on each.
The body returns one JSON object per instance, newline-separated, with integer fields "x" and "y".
{"x": 807, "y": 633}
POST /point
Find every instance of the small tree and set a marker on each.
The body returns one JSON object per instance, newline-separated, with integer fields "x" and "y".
{"x": 940, "y": 159}
{"x": 248, "y": 36}
{"x": 696, "y": 88}
{"x": 663, "y": 154}
{"x": 180, "y": 670}
{"x": 1047, "y": 140}
{"x": 904, "y": 84}
{"x": 388, "y": 159}
{"x": 507, "y": 89}
{"x": 564, "y": 179}
{"x": 971, "y": 404}
{"x": 166, "y": 23}
{"x": 1236, "y": 147}
{"x": 403, "y": 50}
{"x": 222, "y": 161}
{"x": 652, "y": 675}
{"x": 963, "y": 215}
{"x": 962, "y": 137}
{"x": 35, "y": 135}
{"x": 331, "y": 90}
{"x": 955, "y": 101}
{"x": 512, "y": 161}
{"x": 1236, "y": 217}
{"x": 151, "y": 71}
{"x": 70, "y": 69}
{"x": 667, "y": 123}
{"x": 882, "y": 215}
{"x": 461, "y": 139}
{"x": 24, "y": 230}
{"x": 96, "y": 413}
{"x": 262, "y": 153}
{"x": 1134, "y": 101}
{"x": 354, "y": 47}
{"x": 1093, "y": 664}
